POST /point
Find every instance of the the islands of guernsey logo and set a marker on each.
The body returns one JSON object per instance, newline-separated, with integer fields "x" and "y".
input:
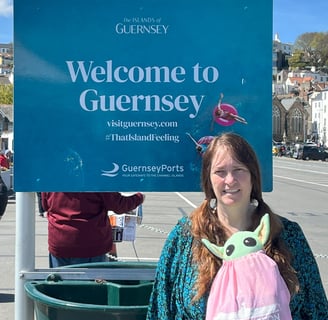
{"x": 142, "y": 26}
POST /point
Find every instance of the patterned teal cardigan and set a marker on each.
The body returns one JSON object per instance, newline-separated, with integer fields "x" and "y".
{"x": 173, "y": 287}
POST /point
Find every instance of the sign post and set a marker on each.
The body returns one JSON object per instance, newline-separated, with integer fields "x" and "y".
{"x": 24, "y": 252}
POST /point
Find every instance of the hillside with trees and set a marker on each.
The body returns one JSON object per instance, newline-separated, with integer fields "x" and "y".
{"x": 6, "y": 94}
{"x": 310, "y": 49}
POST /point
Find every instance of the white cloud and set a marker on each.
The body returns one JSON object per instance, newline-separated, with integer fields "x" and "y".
{"x": 6, "y": 8}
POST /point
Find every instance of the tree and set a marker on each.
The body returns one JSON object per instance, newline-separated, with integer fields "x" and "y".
{"x": 314, "y": 46}
{"x": 6, "y": 94}
{"x": 297, "y": 61}
{"x": 320, "y": 42}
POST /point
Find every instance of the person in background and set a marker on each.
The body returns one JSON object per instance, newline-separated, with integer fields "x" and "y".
{"x": 5, "y": 160}
{"x": 79, "y": 229}
{"x": 231, "y": 181}
{"x": 3, "y": 197}
{"x": 40, "y": 208}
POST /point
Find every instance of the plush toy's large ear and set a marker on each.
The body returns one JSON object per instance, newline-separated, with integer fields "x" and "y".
{"x": 263, "y": 230}
{"x": 216, "y": 250}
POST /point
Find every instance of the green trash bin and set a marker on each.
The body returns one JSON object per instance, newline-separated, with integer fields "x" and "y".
{"x": 96, "y": 300}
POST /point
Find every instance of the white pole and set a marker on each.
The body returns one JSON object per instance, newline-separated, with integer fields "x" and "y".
{"x": 25, "y": 252}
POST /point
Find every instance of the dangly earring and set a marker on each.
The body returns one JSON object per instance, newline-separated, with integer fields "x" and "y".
{"x": 213, "y": 204}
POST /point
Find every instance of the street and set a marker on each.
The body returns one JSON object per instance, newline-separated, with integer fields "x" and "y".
{"x": 299, "y": 193}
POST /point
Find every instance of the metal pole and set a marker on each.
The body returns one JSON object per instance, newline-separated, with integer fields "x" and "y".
{"x": 24, "y": 252}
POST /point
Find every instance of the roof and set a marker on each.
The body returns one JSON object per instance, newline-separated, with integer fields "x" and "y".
{"x": 6, "y": 110}
{"x": 289, "y": 102}
{"x": 4, "y": 80}
{"x": 300, "y": 79}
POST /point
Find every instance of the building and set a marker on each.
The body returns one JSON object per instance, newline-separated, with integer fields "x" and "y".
{"x": 300, "y": 99}
{"x": 291, "y": 120}
{"x": 299, "y": 111}
{"x": 7, "y": 49}
{"x": 6, "y": 58}
{"x": 6, "y": 127}
{"x": 280, "y": 54}
{"x": 319, "y": 103}
{"x": 299, "y": 85}
{"x": 317, "y": 76}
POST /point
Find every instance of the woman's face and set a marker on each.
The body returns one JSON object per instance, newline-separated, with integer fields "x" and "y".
{"x": 231, "y": 180}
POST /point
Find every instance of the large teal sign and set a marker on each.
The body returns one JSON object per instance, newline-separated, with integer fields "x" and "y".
{"x": 125, "y": 95}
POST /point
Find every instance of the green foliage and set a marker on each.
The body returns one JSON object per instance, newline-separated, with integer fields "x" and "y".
{"x": 6, "y": 94}
{"x": 297, "y": 61}
{"x": 311, "y": 49}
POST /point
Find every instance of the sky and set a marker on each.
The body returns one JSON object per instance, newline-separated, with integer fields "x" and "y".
{"x": 291, "y": 18}
{"x": 6, "y": 21}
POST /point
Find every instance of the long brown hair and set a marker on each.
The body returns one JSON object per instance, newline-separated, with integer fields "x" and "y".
{"x": 205, "y": 222}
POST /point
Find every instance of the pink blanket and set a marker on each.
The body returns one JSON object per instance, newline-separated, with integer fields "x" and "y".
{"x": 249, "y": 287}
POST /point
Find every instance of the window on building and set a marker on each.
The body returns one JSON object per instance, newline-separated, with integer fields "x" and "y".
{"x": 5, "y": 125}
{"x": 297, "y": 121}
{"x": 276, "y": 121}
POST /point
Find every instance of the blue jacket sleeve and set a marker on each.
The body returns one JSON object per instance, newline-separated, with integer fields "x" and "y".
{"x": 161, "y": 304}
{"x": 173, "y": 289}
{"x": 311, "y": 301}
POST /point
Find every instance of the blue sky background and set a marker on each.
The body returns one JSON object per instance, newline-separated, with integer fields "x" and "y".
{"x": 6, "y": 21}
{"x": 291, "y": 18}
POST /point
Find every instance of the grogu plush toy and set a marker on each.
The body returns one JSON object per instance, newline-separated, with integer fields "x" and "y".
{"x": 248, "y": 284}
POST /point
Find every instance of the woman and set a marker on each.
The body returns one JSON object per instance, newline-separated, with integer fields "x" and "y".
{"x": 233, "y": 201}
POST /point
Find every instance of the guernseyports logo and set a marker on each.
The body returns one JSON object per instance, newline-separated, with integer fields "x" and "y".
{"x": 162, "y": 170}
{"x": 111, "y": 173}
